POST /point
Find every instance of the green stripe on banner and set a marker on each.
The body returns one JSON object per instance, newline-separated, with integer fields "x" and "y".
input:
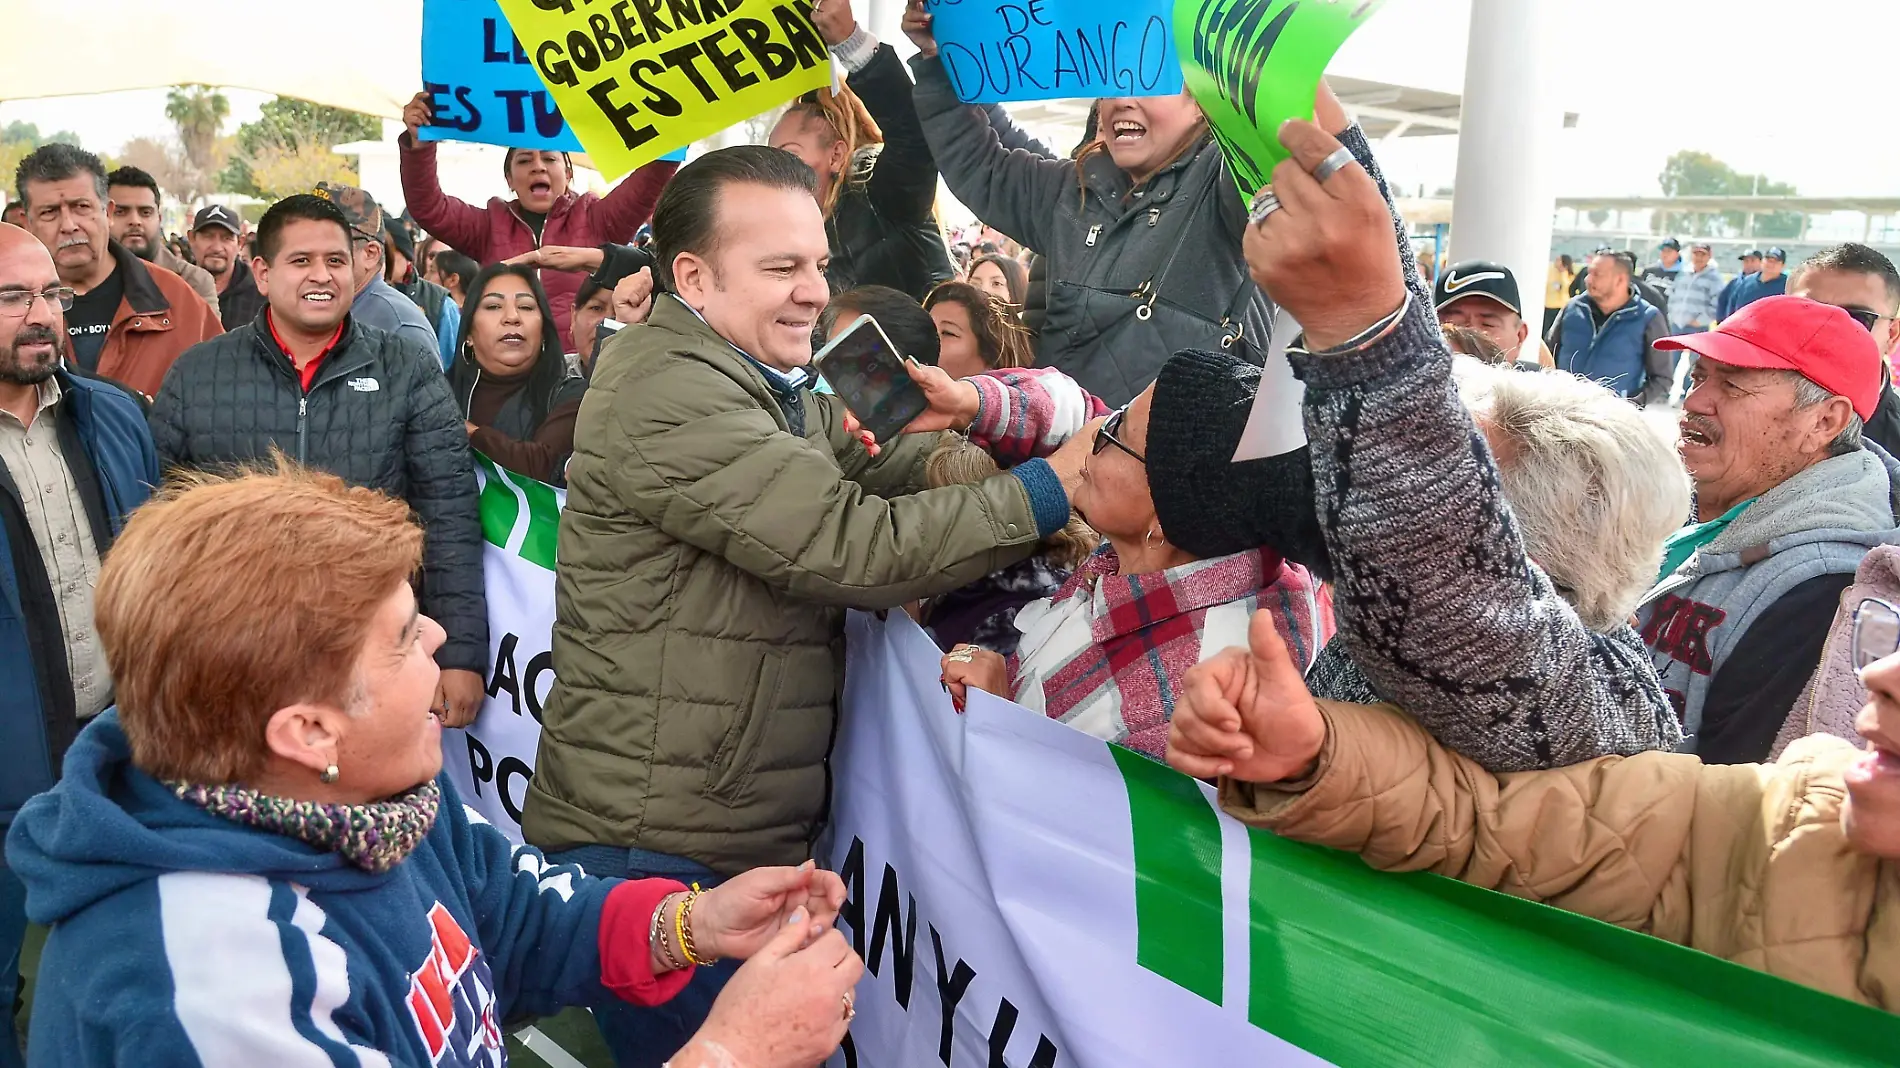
{"x": 500, "y": 508}
{"x": 1177, "y": 875}
{"x": 1367, "y": 968}
{"x": 544, "y": 522}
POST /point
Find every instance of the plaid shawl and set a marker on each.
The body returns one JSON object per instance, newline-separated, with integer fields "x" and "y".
{"x": 1106, "y": 653}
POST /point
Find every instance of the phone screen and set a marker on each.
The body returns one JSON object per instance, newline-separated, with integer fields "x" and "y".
{"x": 865, "y": 369}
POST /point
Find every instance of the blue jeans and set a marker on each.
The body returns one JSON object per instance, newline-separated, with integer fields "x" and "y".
{"x": 12, "y": 935}
{"x": 647, "y": 1037}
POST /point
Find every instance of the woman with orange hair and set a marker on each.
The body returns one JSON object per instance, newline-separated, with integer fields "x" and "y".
{"x": 876, "y": 178}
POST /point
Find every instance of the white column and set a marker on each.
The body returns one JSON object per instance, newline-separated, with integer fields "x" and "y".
{"x": 1507, "y": 142}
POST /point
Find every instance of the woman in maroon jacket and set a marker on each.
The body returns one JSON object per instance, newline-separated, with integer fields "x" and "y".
{"x": 545, "y": 210}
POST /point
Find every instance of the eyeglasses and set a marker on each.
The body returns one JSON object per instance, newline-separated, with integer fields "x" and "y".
{"x": 1876, "y": 632}
{"x": 1866, "y": 317}
{"x": 1105, "y": 436}
{"x": 16, "y": 303}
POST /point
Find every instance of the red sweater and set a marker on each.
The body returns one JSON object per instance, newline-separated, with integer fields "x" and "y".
{"x": 499, "y": 232}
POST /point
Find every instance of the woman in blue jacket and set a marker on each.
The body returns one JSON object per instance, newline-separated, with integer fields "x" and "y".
{"x": 253, "y": 860}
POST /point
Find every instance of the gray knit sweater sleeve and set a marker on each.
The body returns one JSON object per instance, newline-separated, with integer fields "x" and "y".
{"x": 1437, "y": 602}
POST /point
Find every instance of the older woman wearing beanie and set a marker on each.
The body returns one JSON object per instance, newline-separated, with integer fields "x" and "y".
{"x": 253, "y": 860}
{"x": 1457, "y": 577}
{"x": 1106, "y": 651}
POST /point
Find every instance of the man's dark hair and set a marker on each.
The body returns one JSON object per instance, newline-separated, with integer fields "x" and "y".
{"x": 904, "y": 321}
{"x": 686, "y": 219}
{"x": 57, "y": 162}
{"x": 132, "y": 176}
{"x": 293, "y": 207}
{"x": 464, "y": 268}
{"x": 1852, "y": 258}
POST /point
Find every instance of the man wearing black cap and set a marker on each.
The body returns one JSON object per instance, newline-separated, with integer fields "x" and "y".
{"x": 399, "y": 270}
{"x": 214, "y": 243}
{"x": 1483, "y": 296}
{"x": 1664, "y": 274}
{"x": 1769, "y": 281}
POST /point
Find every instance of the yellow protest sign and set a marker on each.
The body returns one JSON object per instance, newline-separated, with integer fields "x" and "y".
{"x": 637, "y": 79}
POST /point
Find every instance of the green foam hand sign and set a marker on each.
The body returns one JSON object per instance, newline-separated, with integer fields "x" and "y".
{"x": 1253, "y": 64}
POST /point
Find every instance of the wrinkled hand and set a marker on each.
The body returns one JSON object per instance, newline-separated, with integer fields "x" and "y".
{"x": 917, "y": 27}
{"x": 1072, "y": 458}
{"x": 834, "y": 21}
{"x": 530, "y": 258}
{"x": 1246, "y": 714}
{"x": 416, "y": 114}
{"x": 1329, "y": 256}
{"x": 953, "y": 402}
{"x": 569, "y": 258}
{"x": 633, "y": 297}
{"x": 967, "y": 666}
{"x": 458, "y": 697}
{"x": 784, "y": 1008}
{"x": 738, "y": 918}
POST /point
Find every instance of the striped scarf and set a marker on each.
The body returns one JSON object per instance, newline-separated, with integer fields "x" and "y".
{"x": 1107, "y": 652}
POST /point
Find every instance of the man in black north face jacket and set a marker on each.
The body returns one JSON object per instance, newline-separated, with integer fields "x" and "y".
{"x": 370, "y": 407}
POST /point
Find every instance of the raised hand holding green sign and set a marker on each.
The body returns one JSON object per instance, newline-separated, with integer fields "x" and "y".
{"x": 1253, "y": 64}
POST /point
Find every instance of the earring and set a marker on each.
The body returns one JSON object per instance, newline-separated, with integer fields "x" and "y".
{"x": 1147, "y": 540}
{"x": 328, "y": 775}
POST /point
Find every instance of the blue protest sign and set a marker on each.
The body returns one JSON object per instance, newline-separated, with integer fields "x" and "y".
{"x": 996, "y": 50}
{"x": 483, "y": 86}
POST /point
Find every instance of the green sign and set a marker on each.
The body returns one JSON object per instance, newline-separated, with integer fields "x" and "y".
{"x": 1253, "y": 64}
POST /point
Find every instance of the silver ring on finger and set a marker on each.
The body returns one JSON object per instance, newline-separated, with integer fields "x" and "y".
{"x": 1333, "y": 164}
{"x": 1264, "y": 204}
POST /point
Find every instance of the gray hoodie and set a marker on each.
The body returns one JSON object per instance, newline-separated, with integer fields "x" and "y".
{"x": 1819, "y": 522}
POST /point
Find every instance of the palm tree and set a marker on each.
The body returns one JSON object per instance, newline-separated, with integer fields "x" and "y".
{"x": 198, "y": 111}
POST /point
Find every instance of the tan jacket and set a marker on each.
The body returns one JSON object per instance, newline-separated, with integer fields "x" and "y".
{"x": 1746, "y": 861}
{"x": 196, "y": 277}
{"x": 158, "y": 319}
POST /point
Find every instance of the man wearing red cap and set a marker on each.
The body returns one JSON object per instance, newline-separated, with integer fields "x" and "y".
{"x": 1787, "y": 502}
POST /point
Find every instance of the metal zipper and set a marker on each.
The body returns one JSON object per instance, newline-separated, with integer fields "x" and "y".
{"x": 303, "y": 411}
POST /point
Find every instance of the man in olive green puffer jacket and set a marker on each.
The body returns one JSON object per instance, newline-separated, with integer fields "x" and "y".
{"x": 720, "y": 519}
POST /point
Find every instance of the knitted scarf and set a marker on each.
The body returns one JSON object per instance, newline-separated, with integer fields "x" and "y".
{"x": 374, "y": 837}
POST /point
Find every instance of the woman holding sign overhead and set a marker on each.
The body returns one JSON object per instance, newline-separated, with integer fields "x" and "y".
{"x": 1142, "y": 231}
{"x": 544, "y": 212}
{"x": 876, "y": 180}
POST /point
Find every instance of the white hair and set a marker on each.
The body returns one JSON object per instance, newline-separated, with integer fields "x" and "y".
{"x": 1595, "y": 489}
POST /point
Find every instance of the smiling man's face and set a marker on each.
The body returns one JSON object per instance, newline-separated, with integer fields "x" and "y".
{"x": 762, "y": 284}
{"x": 309, "y": 282}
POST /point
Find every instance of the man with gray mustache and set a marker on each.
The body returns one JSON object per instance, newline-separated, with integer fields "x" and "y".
{"x": 1789, "y": 497}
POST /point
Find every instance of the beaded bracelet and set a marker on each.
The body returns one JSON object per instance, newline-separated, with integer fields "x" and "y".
{"x": 1361, "y": 341}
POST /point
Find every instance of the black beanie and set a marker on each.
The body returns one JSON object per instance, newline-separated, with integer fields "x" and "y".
{"x": 1208, "y": 505}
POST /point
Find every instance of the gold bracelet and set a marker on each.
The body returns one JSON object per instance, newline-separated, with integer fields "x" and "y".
{"x": 682, "y": 924}
{"x": 658, "y": 937}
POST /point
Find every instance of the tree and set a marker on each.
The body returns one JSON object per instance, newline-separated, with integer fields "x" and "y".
{"x": 28, "y": 133}
{"x": 292, "y": 138}
{"x": 198, "y": 113}
{"x": 1690, "y": 173}
{"x": 166, "y": 164}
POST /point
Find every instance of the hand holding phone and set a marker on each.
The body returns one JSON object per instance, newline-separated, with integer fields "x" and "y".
{"x": 872, "y": 378}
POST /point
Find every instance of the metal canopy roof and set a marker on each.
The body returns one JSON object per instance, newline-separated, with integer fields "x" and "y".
{"x": 1385, "y": 110}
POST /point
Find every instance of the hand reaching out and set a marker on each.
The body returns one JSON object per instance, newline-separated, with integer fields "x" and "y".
{"x": 953, "y": 402}
{"x": 738, "y": 918}
{"x": 1246, "y": 713}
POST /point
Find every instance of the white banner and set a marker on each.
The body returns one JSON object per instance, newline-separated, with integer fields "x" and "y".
{"x": 491, "y": 760}
{"x": 990, "y": 862}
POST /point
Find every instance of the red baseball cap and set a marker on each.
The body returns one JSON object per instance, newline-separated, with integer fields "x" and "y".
{"x": 1821, "y": 342}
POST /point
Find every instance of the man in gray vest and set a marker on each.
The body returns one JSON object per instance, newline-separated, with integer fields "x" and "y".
{"x": 1788, "y": 500}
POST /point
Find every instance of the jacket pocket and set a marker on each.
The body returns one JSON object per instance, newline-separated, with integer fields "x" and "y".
{"x": 739, "y": 750}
